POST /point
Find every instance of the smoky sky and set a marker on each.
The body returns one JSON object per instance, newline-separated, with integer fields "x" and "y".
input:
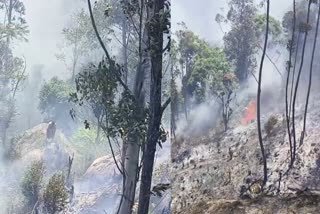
{"x": 46, "y": 19}
{"x": 199, "y": 15}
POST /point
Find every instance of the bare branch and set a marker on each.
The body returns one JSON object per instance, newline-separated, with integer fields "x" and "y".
{"x": 165, "y": 105}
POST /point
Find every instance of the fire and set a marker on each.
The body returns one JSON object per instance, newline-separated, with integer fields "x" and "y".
{"x": 250, "y": 113}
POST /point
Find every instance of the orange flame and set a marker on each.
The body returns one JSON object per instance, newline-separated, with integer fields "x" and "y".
{"x": 250, "y": 113}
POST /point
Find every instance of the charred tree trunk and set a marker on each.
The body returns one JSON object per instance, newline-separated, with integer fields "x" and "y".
{"x": 264, "y": 158}
{"x": 156, "y": 46}
{"x": 288, "y": 78}
{"x": 310, "y": 78}
{"x": 296, "y": 89}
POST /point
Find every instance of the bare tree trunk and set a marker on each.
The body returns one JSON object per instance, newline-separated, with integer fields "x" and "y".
{"x": 98, "y": 131}
{"x": 132, "y": 147}
{"x": 293, "y": 74}
{"x": 310, "y": 78}
{"x": 10, "y": 9}
{"x": 131, "y": 165}
{"x": 296, "y": 89}
{"x": 156, "y": 44}
{"x": 125, "y": 48}
{"x": 288, "y": 78}
{"x": 264, "y": 158}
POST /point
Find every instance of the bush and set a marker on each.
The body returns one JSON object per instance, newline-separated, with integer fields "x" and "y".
{"x": 269, "y": 126}
{"x": 87, "y": 150}
{"x": 55, "y": 197}
{"x": 54, "y": 102}
{"x": 12, "y": 150}
{"x": 32, "y": 183}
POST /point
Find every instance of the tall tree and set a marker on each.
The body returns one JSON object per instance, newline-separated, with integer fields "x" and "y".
{"x": 290, "y": 46}
{"x": 159, "y": 24}
{"x": 240, "y": 42}
{"x": 310, "y": 75}
{"x": 12, "y": 69}
{"x": 304, "y": 27}
{"x": 134, "y": 138}
{"x": 187, "y": 48}
{"x": 264, "y": 158}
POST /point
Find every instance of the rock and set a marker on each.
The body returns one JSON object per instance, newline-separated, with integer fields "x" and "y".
{"x": 103, "y": 169}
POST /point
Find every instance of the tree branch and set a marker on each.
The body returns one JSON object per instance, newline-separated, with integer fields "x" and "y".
{"x": 111, "y": 62}
{"x": 165, "y": 105}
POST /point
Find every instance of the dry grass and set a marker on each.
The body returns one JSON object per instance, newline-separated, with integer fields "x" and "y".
{"x": 302, "y": 203}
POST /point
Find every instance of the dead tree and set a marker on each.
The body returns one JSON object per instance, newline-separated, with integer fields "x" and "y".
{"x": 310, "y": 78}
{"x": 305, "y": 28}
{"x": 291, "y": 42}
{"x": 264, "y": 158}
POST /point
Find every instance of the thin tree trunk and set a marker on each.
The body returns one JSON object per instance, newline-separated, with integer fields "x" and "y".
{"x": 310, "y": 78}
{"x": 296, "y": 89}
{"x": 98, "y": 132}
{"x": 293, "y": 74}
{"x": 125, "y": 48}
{"x": 9, "y": 17}
{"x": 156, "y": 38}
{"x": 288, "y": 77}
{"x": 265, "y": 175}
{"x": 3, "y": 131}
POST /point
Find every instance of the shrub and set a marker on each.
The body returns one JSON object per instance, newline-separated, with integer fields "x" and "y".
{"x": 32, "y": 182}
{"x": 86, "y": 148}
{"x": 269, "y": 126}
{"x": 12, "y": 150}
{"x": 55, "y": 196}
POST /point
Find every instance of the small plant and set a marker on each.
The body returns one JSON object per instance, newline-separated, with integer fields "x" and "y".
{"x": 269, "y": 126}
{"x": 32, "y": 182}
{"x": 12, "y": 150}
{"x": 55, "y": 196}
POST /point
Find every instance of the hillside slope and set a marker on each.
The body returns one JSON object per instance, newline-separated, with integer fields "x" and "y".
{"x": 213, "y": 172}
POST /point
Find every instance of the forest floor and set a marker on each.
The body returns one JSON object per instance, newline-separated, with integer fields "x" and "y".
{"x": 222, "y": 173}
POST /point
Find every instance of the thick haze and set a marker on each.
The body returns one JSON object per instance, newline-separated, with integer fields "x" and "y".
{"x": 46, "y": 19}
{"x": 200, "y": 15}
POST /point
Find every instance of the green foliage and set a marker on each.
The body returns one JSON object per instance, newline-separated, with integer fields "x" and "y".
{"x": 16, "y": 27}
{"x": 187, "y": 52}
{"x": 209, "y": 69}
{"x": 125, "y": 117}
{"x": 32, "y": 183}
{"x": 54, "y": 96}
{"x": 205, "y": 65}
{"x": 87, "y": 136}
{"x": 275, "y": 28}
{"x": 55, "y": 196}
{"x": 241, "y": 41}
{"x": 87, "y": 149}
{"x": 97, "y": 86}
{"x": 12, "y": 150}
